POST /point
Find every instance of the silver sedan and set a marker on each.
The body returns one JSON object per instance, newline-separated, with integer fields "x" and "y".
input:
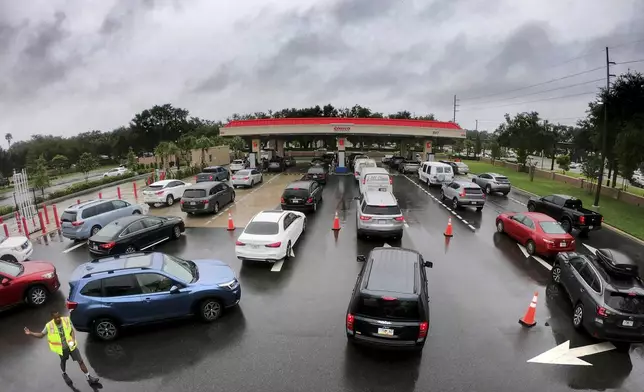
{"x": 246, "y": 177}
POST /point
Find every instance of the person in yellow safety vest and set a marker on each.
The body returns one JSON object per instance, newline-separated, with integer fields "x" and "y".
{"x": 62, "y": 341}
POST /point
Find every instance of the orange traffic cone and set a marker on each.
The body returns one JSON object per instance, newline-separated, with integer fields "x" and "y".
{"x": 528, "y": 318}
{"x": 448, "y": 230}
{"x": 231, "y": 225}
{"x": 336, "y": 222}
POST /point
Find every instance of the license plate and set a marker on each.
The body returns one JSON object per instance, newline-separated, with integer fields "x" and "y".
{"x": 192, "y": 203}
{"x": 315, "y": 176}
{"x": 591, "y": 227}
{"x": 382, "y": 189}
{"x": 386, "y": 331}
{"x": 254, "y": 246}
{"x": 295, "y": 201}
{"x": 627, "y": 323}
{"x": 475, "y": 202}
{"x": 562, "y": 244}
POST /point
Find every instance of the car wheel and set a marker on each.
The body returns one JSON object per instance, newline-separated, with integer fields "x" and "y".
{"x": 9, "y": 258}
{"x": 505, "y": 193}
{"x": 304, "y": 226}
{"x": 176, "y": 232}
{"x": 232, "y": 197}
{"x": 252, "y": 183}
{"x": 479, "y": 209}
{"x": 261, "y": 179}
{"x": 555, "y": 274}
{"x": 578, "y": 316}
{"x": 105, "y": 329}
{"x": 151, "y": 204}
{"x": 37, "y": 296}
{"x": 455, "y": 203}
{"x": 210, "y": 310}
{"x": 442, "y": 193}
{"x": 488, "y": 189}
{"x": 95, "y": 230}
{"x": 288, "y": 251}
{"x": 130, "y": 249}
{"x": 566, "y": 225}
{"x": 136, "y": 212}
{"x": 315, "y": 206}
{"x": 499, "y": 226}
{"x": 169, "y": 200}
{"x": 531, "y": 207}
{"x": 530, "y": 247}
{"x": 215, "y": 209}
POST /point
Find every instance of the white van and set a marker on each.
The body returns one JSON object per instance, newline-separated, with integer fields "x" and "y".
{"x": 435, "y": 173}
{"x": 361, "y": 164}
{"x": 375, "y": 179}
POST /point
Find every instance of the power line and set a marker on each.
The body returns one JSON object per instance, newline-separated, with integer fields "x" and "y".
{"x": 538, "y": 84}
{"x": 537, "y": 100}
{"x": 630, "y": 62}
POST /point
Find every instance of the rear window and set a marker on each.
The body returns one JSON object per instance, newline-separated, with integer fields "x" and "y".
{"x": 243, "y": 173}
{"x": 301, "y": 192}
{"x": 68, "y": 217}
{"x": 382, "y": 210}
{"x": 110, "y": 230}
{"x": 194, "y": 193}
{"x": 447, "y": 169}
{"x": 155, "y": 187}
{"x": 552, "y": 228}
{"x": 210, "y": 170}
{"x": 633, "y": 304}
{"x": 388, "y": 309}
{"x": 316, "y": 170}
{"x": 262, "y": 228}
{"x": 376, "y": 178}
{"x": 501, "y": 179}
{"x": 473, "y": 191}
{"x": 439, "y": 169}
{"x": 367, "y": 164}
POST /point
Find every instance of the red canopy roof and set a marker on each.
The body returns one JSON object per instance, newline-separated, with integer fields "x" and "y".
{"x": 383, "y": 122}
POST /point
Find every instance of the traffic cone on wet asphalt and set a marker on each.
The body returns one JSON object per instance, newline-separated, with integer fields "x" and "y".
{"x": 336, "y": 222}
{"x": 231, "y": 225}
{"x": 528, "y": 319}
{"x": 448, "y": 230}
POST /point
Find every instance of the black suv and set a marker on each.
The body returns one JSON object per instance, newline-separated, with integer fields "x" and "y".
{"x": 606, "y": 292}
{"x": 390, "y": 305}
{"x": 302, "y": 195}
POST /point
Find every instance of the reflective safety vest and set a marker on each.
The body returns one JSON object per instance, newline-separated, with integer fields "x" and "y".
{"x": 53, "y": 337}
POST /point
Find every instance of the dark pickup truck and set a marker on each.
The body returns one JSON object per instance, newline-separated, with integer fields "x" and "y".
{"x": 569, "y": 211}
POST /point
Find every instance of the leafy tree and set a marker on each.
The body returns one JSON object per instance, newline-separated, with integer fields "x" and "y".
{"x": 524, "y": 132}
{"x": 236, "y": 144}
{"x": 40, "y": 177}
{"x": 555, "y": 134}
{"x": 458, "y": 145}
{"x": 185, "y": 145}
{"x": 564, "y": 162}
{"x": 8, "y": 137}
{"x": 591, "y": 167}
{"x": 86, "y": 163}
{"x": 478, "y": 144}
{"x": 160, "y": 123}
{"x": 60, "y": 162}
{"x": 132, "y": 161}
{"x": 163, "y": 150}
{"x": 495, "y": 150}
{"x": 630, "y": 148}
{"x": 203, "y": 143}
{"x": 468, "y": 145}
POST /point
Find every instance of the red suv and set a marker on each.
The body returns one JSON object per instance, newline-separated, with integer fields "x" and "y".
{"x": 32, "y": 282}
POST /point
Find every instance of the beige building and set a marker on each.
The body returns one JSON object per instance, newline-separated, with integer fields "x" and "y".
{"x": 213, "y": 156}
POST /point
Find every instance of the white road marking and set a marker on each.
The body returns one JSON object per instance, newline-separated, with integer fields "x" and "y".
{"x": 406, "y": 225}
{"x": 472, "y": 227}
{"x": 277, "y": 267}
{"x": 75, "y": 247}
{"x": 524, "y": 250}
{"x": 564, "y": 355}
{"x": 543, "y": 263}
{"x": 590, "y": 248}
{"x": 517, "y": 201}
{"x": 386, "y": 245}
{"x": 156, "y": 243}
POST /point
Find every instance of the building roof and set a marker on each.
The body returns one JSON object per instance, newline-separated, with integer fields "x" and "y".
{"x": 340, "y": 121}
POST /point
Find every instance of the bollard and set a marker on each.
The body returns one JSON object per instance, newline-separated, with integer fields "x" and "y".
{"x": 43, "y": 228}
{"x": 44, "y": 207}
{"x": 24, "y": 225}
{"x": 1, "y": 220}
{"x": 100, "y": 195}
{"x": 56, "y": 217}
{"x": 6, "y": 230}
{"x": 18, "y": 220}
{"x": 136, "y": 196}
{"x": 118, "y": 191}
{"x": 77, "y": 201}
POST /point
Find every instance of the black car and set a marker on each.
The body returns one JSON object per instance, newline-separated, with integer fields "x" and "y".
{"x": 134, "y": 233}
{"x": 213, "y": 173}
{"x": 276, "y": 164}
{"x": 302, "y": 195}
{"x": 606, "y": 292}
{"x": 395, "y": 161}
{"x": 318, "y": 173}
{"x": 206, "y": 197}
{"x": 353, "y": 156}
{"x": 389, "y": 305}
{"x": 289, "y": 161}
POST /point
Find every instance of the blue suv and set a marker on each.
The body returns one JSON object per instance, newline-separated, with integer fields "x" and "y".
{"x": 81, "y": 221}
{"x": 109, "y": 294}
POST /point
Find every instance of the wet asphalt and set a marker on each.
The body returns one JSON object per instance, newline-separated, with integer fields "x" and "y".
{"x": 288, "y": 332}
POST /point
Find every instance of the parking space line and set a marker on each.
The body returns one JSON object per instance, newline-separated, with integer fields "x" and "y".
{"x": 74, "y": 247}
{"x": 517, "y": 201}
{"x": 453, "y": 212}
{"x": 523, "y": 250}
{"x": 277, "y": 267}
{"x": 590, "y": 248}
{"x": 543, "y": 262}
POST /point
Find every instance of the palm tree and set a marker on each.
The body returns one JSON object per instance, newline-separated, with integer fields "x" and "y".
{"x": 162, "y": 151}
{"x": 9, "y": 138}
{"x": 185, "y": 144}
{"x": 203, "y": 143}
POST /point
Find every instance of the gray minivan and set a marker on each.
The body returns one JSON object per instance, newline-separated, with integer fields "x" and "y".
{"x": 206, "y": 197}
{"x": 81, "y": 221}
{"x": 378, "y": 215}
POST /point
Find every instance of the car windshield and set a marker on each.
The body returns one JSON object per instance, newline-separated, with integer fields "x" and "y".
{"x": 388, "y": 309}
{"x": 552, "y": 228}
{"x": 110, "y": 230}
{"x": 262, "y": 228}
{"x": 10, "y": 269}
{"x": 184, "y": 270}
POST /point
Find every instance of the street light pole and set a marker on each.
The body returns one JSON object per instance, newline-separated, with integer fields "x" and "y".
{"x": 604, "y": 132}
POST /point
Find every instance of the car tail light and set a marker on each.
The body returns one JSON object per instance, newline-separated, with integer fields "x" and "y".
{"x": 601, "y": 311}
{"x": 400, "y": 218}
{"x": 422, "y": 329}
{"x": 462, "y": 194}
{"x": 350, "y": 320}
{"x": 365, "y": 218}
{"x": 274, "y": 245}
{"x": 391, "y": 181}
{"x": 205, "y": 202}
{"x": 582, "y": 220}
{"x": 108, "y": 245}
{"x": 548, "y": 241}
{"x": 389, "y": 298}
{"x": 309, "y": 200}
{"x": 159, "y": 193}
{"x": 77, "y": 223}
{"x": 196, "y": 178}
{"x": 282, "y": 200}
{"x": 234, "y": 178}
{"x": 210, "y": 177}
{"x": 245, "y": 178}
{"x": 181, "y": 201}
{"x": 70, "y": 305}
{"x": 364, "y": 181}
{"x": 357, "y": 173}
{"x": 239, "y": 243}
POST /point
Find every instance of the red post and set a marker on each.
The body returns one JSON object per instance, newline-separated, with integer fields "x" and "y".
{"x": 100, "y": 195}
{"x": 18, "y": 221}
{"x": 118, "y": 191}
{"x": 136, "y": 196}
{"x": 6, "y": 230}
{"x": 77, "y": 201}
{"x": 56, "y": 217}
{"x": 44, "y": 207}
{"x": 1, "y": 220}
{"x": 24, "y": 225}
{"x": 43, "y": 228}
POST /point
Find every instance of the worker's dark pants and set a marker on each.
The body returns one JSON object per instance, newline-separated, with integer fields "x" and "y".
{"x": 66, "y": 354}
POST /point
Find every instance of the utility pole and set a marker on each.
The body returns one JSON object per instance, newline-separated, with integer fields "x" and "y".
{"x": 604, "y": 132}
{"x": 455, "y": 106}
{"x": 477, "y": 126}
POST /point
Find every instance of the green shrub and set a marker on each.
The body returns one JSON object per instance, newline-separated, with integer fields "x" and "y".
{"x": 4, "y": 210}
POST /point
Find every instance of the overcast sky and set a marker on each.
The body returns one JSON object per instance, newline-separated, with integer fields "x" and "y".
{"x": 71, "y": 66}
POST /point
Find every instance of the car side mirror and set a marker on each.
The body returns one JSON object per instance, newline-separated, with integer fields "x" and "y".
{"x": 174, "y": 289}
{"x": 5, "y": 281}
{"x": 429, "y": 264}
{"x": 361, "y": 258}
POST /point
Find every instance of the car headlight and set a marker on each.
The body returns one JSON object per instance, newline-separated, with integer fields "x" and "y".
{"x": 229, "y": 285}
{"x": 48, "y": 275}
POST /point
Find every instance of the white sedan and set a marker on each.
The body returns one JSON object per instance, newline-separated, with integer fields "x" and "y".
{"x": 270, "y": 236}
{"x": 247, "y": 177}
{"x": 15, "y": 249}
{"x": 236, "y": 165}
{"x": 115, "y": 172}
{"x": 164, "y": 192}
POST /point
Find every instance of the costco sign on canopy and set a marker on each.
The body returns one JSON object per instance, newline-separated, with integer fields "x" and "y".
{"x": 341, "y": 129}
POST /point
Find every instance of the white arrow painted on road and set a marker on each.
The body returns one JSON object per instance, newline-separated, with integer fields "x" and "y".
{"x": 524, "y": 250}
{"x": 386, "y": 245}
{"x": 590, "y": 248}
{"x": 564, "y": 355}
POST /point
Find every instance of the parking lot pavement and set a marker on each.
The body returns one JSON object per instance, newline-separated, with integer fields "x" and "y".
{"x": 288, "y": 332}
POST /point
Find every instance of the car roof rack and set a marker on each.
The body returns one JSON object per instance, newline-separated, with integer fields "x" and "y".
{"x": 113, "y": 270}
